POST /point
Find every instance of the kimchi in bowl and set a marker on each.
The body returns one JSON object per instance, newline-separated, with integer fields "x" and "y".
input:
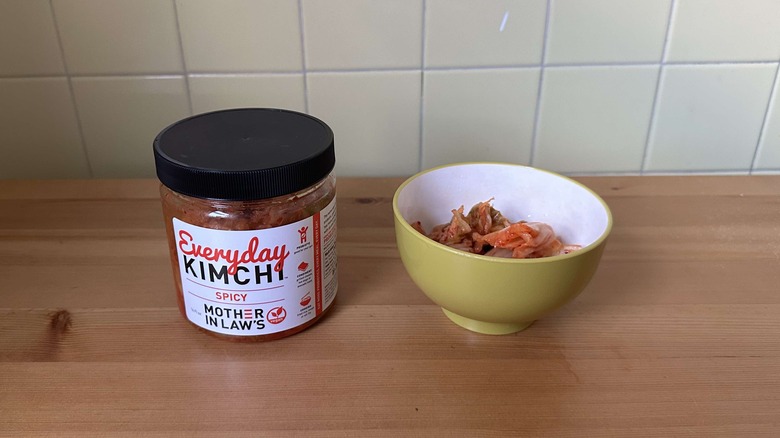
{"x": 495, "y": 295}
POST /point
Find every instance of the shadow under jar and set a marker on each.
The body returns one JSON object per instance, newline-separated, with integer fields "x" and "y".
{"x": 249, "y": 202}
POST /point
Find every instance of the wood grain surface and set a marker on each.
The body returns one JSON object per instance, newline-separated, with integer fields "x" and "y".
{"x": 677, "y": 335}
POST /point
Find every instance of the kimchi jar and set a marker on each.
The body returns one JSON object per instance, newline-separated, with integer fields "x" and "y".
{"x": 249, "y": 201}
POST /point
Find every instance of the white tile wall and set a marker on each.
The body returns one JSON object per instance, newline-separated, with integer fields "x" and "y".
{"x": 479, "y": 115}
{"x": 375, "y": 117}
{"x": 118, "y": 36}
{"x": 362, "y": 34}
{"x": 726, "y": 30}
{"x": 215, "y": 92}
{"x": 579, "y": 86}
{"x": 768, "y": 154}
{"x": 39, "y": 134}
{"x": 120, "y": 116}
{"x": 28, "y": 39}
{"x": 603, "y": 31}
{"x": 709, "y": 117}
{"x": 595, "y": 119}
{"x": 465, "y": 33}
{"x": 240, "y": 35}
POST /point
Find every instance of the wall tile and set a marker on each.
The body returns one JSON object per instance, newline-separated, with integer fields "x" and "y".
{"x": 467, "y": 33}
{"x": 28, "y": 39}
{"x": 214, "y": 92}
{"x": 240, "y": 35}
{"x": 120, "y": 118}
{"x": 350, "y": 34}
{"x": 478, "y": 115}
{"x": 595, "y": 119}
{"x": 725, "y": 30}
{"x": 249, "y": 53}
{"x": 119, "y": 36}
{"x": 607, "y": 30}
{"x": 39, "y": 132}
{"x": 768, "y": 156}
{"x": 375, "y": 118}
{"x": 708, "y": 117}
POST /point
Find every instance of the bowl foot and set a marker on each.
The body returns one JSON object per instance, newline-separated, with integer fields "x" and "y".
{"x": 487, "y": 328}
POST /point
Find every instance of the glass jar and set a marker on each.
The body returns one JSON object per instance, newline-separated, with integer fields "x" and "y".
{"x": 249, "y": 202}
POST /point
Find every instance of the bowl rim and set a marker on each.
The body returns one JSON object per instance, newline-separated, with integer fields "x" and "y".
{"x": 400, "y": 219}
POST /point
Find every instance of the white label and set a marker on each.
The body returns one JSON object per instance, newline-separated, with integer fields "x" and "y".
{"x": 257, "y": 282}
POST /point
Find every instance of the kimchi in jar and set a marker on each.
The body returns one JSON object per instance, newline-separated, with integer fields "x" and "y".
{"x": 249, "y": 201}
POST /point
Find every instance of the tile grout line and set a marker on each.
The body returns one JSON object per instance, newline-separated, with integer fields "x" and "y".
{"x": 762, "y": 133}
{"x": 72, "y": 92}
{"x": 153, "y": 75}
{"x": 652, "y": 123}
{"x": 537, "y": 111}
{"x": 767, "y": 171}
{"x": 242, "y": 74}
{"x": 697, "y": 172}
{"x": 32, "y": 77}
{"x": 183, "y": 60}
{"x": 99, "y": 76}
{"x": 648, "y": 63}
{"x": 422, "y": 88}
{"x": 661, "y": 173}
{"x": 304, "y": 68}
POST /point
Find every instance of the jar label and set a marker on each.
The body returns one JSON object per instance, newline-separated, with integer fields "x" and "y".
{"x": 257, "y": 282}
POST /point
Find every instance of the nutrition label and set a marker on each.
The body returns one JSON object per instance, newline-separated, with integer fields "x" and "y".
{"x": 258, "y": 282}
{"x": 329, "y": 259}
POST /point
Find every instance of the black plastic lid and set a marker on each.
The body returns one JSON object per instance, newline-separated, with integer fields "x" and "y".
{"x": 242, "y": 154}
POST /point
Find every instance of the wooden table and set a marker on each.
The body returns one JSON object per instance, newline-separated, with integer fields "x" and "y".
{"x": 678, "y": 334}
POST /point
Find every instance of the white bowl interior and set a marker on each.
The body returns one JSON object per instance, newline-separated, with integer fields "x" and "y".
{"x": 520, "y": 193}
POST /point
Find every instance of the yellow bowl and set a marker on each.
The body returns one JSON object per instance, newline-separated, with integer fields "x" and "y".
{"x": 489, "y": 294}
